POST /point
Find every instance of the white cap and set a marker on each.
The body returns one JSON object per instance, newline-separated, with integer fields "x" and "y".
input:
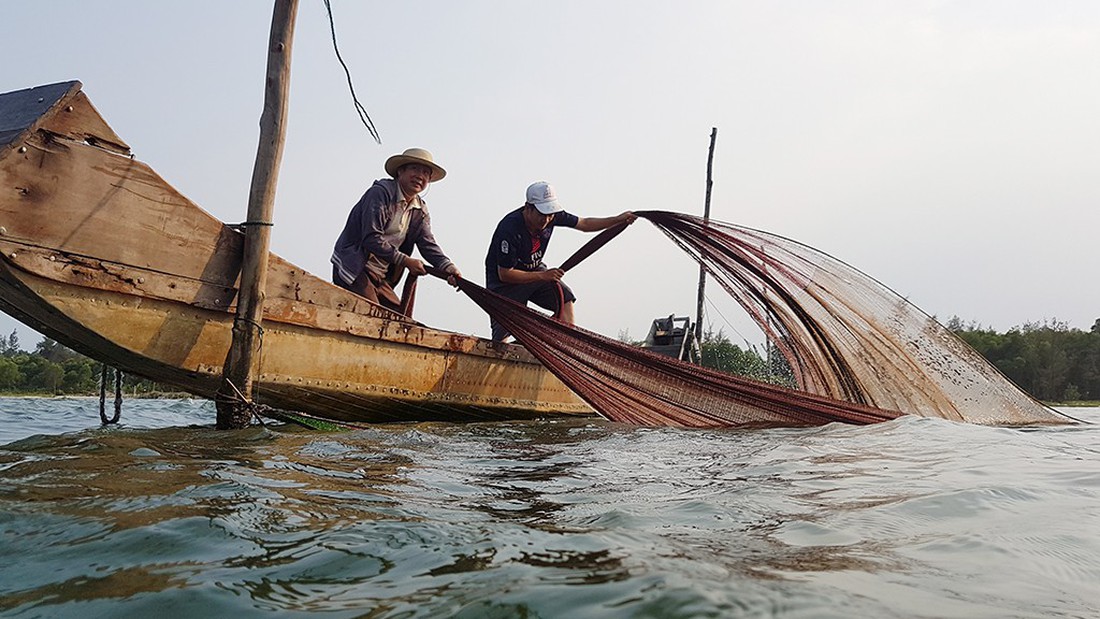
{"x": 541, "y": 195}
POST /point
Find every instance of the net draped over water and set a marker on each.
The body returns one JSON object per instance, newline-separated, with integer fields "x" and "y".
{"x": 859, "y": 352}
{"x": 630, "y": 384}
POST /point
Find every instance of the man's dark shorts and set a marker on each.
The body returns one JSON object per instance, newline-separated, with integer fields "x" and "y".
{"x": 547, "y": 295}
{"x": 379, "y": 292}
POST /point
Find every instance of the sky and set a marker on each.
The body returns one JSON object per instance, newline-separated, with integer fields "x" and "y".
{"x": 949, "y": 149}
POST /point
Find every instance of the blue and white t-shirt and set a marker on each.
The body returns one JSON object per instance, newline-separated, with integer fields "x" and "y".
{"x": 514, "y": 247}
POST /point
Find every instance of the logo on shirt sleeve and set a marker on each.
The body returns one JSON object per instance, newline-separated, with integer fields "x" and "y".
{"x": 504, "y": 247}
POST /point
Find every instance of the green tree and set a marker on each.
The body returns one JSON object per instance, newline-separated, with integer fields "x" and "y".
{"x": 624, "y": 337}
{"x": 10, "y": 376}
{"x": 9, "y": 345}
{"x": 39, "y": 374}
{"x": 53, "y": 368}
{"x": 54, "y": 351}
{"x": 721, "y": 354}
{"x": 52, "y": 377}
{"x": 1048, "y": 359}
{"x": 81, "y": 375}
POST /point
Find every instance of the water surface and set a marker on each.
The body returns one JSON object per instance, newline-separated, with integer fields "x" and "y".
{"x": 580, "y": 518}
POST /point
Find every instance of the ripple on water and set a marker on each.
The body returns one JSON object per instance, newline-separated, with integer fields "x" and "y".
{"x": 909, "y": 518}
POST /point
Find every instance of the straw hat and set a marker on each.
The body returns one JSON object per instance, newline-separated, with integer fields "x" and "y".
{"x": 414, "y": 155}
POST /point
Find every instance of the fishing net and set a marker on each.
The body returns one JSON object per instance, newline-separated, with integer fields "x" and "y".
{"x": 844, "y": 334}
{"x": 859, "y": 352}
{"x": 632, "y": 385}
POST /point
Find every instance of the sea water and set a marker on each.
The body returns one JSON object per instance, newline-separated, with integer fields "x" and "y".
{"x": 161, "y": 515}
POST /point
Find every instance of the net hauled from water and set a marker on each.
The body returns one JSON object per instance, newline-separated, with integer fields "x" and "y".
{"x": 632, "y": 385}
{"x": 859, "y": 352}
{"x": 846, "y": 335}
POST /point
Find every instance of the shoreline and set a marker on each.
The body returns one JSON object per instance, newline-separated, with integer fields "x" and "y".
{"x": 180, "y": 395}
{"x": 153, "y": 395}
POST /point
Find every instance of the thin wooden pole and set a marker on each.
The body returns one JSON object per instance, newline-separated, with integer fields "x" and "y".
{"x": 706, "y": 217}
{"x": 235, "y": 394}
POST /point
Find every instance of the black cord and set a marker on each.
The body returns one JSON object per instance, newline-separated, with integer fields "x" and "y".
{"x": 363, "y": 116}
{"x": 103, "y": 396}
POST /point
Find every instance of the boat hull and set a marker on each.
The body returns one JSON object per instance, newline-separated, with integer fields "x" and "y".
{"x": 104, "y": 256}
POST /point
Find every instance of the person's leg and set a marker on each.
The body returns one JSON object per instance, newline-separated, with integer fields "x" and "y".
{"x": 361, "y": 286}
{"x": 556, "y": 297}
{"x": 522, "y": 294}
{"x": 553, "y": 296}
{"x": 497, "y": 331}
{"x": 516, "y": 292}
{"x": 364, "y": 287}
{"x": 566, "y": 314}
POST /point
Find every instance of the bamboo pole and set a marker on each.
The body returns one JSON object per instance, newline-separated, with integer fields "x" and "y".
{"x": 706, "y": 217}
{"x": 235, "y": 394}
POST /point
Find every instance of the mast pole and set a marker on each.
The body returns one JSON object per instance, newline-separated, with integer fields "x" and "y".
{"x": 234, "y": 397}
{"x": 706, "y": 218}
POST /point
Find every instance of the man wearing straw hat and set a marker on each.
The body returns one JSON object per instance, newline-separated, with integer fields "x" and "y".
{"x": 373, "y": 251}
{"x": 514, "y": 266}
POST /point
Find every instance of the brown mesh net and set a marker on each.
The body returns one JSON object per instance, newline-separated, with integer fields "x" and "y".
{"x": 632, "y": 385}
{"x": 847, "y": 336}
{"x": 859, "y": 352}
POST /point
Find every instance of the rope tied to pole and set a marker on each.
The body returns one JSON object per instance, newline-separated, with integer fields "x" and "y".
{"x": 245, "y": 224}
{"x": 238, "y": 320}
{"x": 254, "y": 410}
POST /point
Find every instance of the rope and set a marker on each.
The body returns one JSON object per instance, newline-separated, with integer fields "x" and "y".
{"x": 118, "y": 395}
{"x": 363, "y": 116}
{"x": 259, "y": 339}
{"x": 255, "y": 411}
{"x": 237, "y": 400}
{"x": 103, "y": 396}
{"x": 259, "y": 329}
{"x": 244, "y": 224}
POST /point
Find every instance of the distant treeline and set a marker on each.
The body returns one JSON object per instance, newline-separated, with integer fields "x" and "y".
{"x": 1049, "y": 360}
{"x": 720, "y": 353}
{"x": 53, "y": 369}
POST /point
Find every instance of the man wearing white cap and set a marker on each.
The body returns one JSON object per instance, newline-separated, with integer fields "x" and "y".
{"x": 374, "y": 248}
{"x": 514, "y": 266}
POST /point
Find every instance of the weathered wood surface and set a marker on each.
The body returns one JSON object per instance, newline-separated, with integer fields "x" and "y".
{"x": 103, "y": 255}
{"x": 77, "y": 119}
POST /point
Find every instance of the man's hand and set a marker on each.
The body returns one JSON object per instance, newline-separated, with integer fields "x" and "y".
{"x": 552, "y": 275}
{"x": 627, "y": 217}
{"x": 415, "y": 267}
{"x": 453, "y": 275}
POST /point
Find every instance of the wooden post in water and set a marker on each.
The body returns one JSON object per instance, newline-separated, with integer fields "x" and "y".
{"x": 706, "y": 217}
{"x": 235, "y": 394}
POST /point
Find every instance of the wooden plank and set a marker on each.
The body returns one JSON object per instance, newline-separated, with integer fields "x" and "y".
{"x": 21, "y": 109}
{"x": 100, "y": 204}
{"x": 77, "y": 119}
{"x": 61, "y": 109}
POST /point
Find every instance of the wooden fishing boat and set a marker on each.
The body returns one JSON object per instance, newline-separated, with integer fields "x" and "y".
{"x": 104, "y": 256}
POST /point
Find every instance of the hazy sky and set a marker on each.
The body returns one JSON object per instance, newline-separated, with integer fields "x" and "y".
{"x": 949, "y": 149}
